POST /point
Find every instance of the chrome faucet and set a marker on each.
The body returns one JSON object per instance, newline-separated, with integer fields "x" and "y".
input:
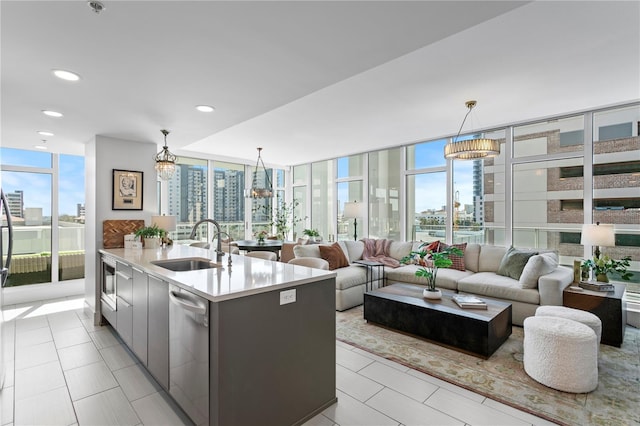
{"x": 219, "y": 252}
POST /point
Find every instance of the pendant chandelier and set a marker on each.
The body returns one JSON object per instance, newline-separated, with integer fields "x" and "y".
{"x": 471, "y": 149}
{"x": 260, "y": 191}
{"x": 165, "y": 160}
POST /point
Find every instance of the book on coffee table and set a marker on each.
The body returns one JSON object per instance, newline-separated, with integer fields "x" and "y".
{"x": 469, "y": 302}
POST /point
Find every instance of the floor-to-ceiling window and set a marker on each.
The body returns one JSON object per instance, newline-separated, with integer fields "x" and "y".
{"x": 349, "y": 186}
{"x": 426, "y": 191}
{"x": 300, "y": 179}
{"x": 228, "y": 198}
{"x": 616, "y": 180}
{"x": 48, "y": 225}
{"x": 384, "y": 194}
{"x": 547, "y": 194}
{"x": 187, "y": 197}
{"x": 323, "y": 197}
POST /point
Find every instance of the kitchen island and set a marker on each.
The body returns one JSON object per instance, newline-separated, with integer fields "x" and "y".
{"x": 270, "y": 356}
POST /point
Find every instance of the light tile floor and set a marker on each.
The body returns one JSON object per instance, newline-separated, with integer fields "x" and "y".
{"x": 63, "y": 370}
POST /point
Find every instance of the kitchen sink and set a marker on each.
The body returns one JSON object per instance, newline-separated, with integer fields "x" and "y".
{"x": 186, "y": 264}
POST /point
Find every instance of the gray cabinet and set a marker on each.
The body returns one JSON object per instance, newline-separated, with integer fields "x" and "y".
{"x": 140, "y": 304}
{"x": 158, "y": 329}
{"x": 124, "y": 302}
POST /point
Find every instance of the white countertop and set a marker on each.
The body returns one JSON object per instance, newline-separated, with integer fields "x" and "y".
{"x": 246, "y": 276}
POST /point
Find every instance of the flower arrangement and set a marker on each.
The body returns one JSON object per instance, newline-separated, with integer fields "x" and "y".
{"x": 283, "y": 219}
{"x": 261, "y": 235}
{"x": 603, "y": 265}
{"x": 430, "y": 261}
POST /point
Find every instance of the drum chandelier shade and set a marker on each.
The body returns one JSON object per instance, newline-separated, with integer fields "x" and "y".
{"x": 165, "y": 160}
{"x": 256, "y": 190}
{"x": 471, "y": 149}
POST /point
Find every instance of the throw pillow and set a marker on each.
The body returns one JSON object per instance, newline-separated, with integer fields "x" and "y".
{"x": 334, "y": 255}
{"x": 513, "y": 262}
{"x": 537, "y": 266}
{"x": 458, "y": 261}
{"x": 433, "y": 246}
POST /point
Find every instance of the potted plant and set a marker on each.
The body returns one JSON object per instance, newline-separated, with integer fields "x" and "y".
{"x": 430, "y": 266}
{"x": 311, "y": 233}
{"x": 151, "y": 235}
{"x": 603, "y": 265}
{"x": 283, "y": 219}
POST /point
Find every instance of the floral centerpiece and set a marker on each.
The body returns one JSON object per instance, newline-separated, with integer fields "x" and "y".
{"x": 261, "y": 235}
{"x": 430, "y": 262}
{"x": 603, "y": 265}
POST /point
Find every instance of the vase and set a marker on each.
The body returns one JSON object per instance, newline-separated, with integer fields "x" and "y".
{"x": 261, "y": 240}
{"x": 432, "y": 294}
{"x": 603, "y": 278}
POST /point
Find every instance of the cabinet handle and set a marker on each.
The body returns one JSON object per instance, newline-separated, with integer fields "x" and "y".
{"x": 123, "y": 275}
{"x": 193, "y": 307}
{"x": 124, "y": 302}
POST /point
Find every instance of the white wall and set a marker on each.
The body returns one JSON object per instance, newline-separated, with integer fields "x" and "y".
{"x": 102, "y": 155}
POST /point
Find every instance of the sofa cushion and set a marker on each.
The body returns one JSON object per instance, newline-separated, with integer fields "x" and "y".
{"x": 514, "y": 261}
{"x": 354, "y": 249}
{"x": 399, "y": 249}
{"x": 490, "y": 258}
{"x": 458, "y": 261}
{"x": 334, "y": 255}
{"x": 446, "y": 278}
{"x": 537, "y": 266}
{"x": 351, "y": 276}
{"x": 307, "y": 250}
{"x": 471, "y": 255}
{"x": 493, "y": 285}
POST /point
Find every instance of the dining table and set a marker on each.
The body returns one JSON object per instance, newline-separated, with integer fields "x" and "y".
{"x": 255, "y": 245}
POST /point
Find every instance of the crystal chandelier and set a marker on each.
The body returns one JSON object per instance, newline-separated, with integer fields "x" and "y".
{"x": 256, "y": 191}
{"x": 165, "y": 160}
{"x": 471, "y": 149}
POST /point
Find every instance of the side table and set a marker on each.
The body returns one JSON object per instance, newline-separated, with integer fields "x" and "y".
{"x": 371, "y": 277}
{"x": 608, "y": 306}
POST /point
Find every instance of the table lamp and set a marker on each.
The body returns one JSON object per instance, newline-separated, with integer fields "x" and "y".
{"x": 354, "y": 210}
{"x": 598, "y": 235}
{"x": 168, "y": 223}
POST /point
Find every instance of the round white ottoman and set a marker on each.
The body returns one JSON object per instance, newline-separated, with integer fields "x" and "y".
{"x": 584, "y": 317}
{"x": 561, "y": 354}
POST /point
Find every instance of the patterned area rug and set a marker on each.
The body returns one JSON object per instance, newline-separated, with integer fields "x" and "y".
{"x": 616, "y": 400}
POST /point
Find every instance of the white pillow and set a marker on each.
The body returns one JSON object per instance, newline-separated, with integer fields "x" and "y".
{"x": 537, "y": 266}
{"x": 307, "y": 250}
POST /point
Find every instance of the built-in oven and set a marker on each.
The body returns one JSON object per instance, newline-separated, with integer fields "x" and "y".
{"x": 108, "y": 288}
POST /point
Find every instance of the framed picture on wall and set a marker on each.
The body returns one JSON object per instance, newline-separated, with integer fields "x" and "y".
{"x": 127, "y": 190}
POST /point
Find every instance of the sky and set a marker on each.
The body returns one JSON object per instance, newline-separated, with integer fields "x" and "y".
{"x": 37, "y": 184}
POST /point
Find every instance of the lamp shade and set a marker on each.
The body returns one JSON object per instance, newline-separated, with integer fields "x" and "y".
{"x": 598, "y": 235}
{"x": 168, "y": 223}
{"x": 353, "y": 209}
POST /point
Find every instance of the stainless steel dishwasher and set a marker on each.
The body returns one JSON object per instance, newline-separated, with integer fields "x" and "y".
{"x": 189, "y": 353}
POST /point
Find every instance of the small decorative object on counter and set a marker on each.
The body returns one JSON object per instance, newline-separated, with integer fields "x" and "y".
{"x": 151, "y": 235}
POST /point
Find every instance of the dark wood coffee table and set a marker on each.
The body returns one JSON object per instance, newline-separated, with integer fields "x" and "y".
{"x": 400, "y": 306}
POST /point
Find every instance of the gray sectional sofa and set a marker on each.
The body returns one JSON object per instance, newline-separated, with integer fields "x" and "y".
{"x": 542, "y": 281}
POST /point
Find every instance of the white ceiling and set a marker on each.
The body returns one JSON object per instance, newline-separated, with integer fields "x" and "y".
{"x": 305, "y": 80}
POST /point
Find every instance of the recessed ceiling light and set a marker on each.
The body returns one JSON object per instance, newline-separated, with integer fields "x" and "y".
{"x": 66, "y": 75}
{"x": 40, "y": 147}
{"x": 52, "y": 113}
{"x": 44, "y": 133}
{"x": 205, "y": 108}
